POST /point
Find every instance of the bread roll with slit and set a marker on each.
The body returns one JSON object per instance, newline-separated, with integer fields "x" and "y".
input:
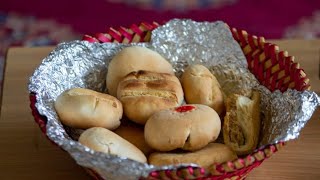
{"x": 241, "y": 126}
{"x": 106, "y": 141}
{"x": 143, "y": 93}
{"x": 131, "y": 59}
{"x": 189, "y": 127}
{"x": 84, "y": 108}
{"x": 205, "y": 157}
{"x": 202, "y": 87}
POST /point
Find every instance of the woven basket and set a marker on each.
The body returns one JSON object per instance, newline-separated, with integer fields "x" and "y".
{"x": 273, "y": 68}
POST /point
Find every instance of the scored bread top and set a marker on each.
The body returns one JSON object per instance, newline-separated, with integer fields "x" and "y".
{"x": 146, "y": 83}
{"x": 131, "y": 59}
{"x": 143, "y": 93}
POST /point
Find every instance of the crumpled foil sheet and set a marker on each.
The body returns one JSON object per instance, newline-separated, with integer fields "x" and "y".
{"x": 182, "y": 42}
{"x": 285, "y": 114}
{"x": 185, "y": 42}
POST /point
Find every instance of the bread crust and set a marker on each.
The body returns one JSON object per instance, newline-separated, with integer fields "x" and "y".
{"x": 143, "y": 93}
{"x": 202, "y": 87}
{"x": 168, "y": 129}
{"x": 106, "y": 141}
{"x": 131, "y": 59}
{"x": 209, "y": 155}
{"x": 85, "y": 108}
{"x": 135, "y": 135}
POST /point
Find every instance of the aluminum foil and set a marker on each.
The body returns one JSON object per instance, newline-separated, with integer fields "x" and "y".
{"x": 181, "y": 42}
{"x": 283, "y": 115}
{"x": 185, "y": 42}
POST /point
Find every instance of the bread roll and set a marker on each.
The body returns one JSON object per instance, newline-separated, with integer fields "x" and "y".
{"x": 135, "y": 135}
{"x": 201, "y": 87}
{"x": 242, "y": 123}
{"x": 131, "y": 59}
{"x": 143, "y": 93}
{"x": 106, "y": 141}
{"x": 189, "y": 127}
{"x": 212, "y": 153}
{"x": 84, "y": 108}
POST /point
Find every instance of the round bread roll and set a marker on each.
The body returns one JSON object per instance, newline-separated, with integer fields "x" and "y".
{"x": 84, "y": 108}
{"x": 143, "y": 93}
{"x": 134, "y": 58}
{"x": 106, "y": 141}
{"x": 134, "y": 135}
{"x": 189, "y": 127}
{"x": 202, "y": 87}
{"x": 212, "y": 153}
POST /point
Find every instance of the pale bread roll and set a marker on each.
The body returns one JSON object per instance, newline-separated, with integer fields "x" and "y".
{"x": 131, "y": 59}
{"x": 189, "y": 127}
{"x": 106, "y": 141}
{"x": 143, "y": 93}
{"x": 242, "y": 123}
{"x": 135, "y": 135}
{"x": 84, "y": 108}
{"x": 212, "y": 153}
{"x": 201, "y": 87}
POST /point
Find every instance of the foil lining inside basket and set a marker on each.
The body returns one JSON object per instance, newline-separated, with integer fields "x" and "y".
{"x": 182, "y": 42}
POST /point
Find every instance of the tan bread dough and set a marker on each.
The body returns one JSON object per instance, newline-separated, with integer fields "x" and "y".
{"x": 242, "y": 123}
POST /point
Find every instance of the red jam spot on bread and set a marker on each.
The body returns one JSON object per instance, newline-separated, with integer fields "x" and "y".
{"x": 185, "y": 108}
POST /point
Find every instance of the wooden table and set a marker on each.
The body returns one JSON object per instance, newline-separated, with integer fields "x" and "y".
{"x": 26, "y": 154}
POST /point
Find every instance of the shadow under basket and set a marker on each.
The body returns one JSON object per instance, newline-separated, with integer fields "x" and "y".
{"x": 274, "y": 69}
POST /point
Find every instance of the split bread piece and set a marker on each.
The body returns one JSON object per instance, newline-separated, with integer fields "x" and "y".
{"x": 242, "y": 123}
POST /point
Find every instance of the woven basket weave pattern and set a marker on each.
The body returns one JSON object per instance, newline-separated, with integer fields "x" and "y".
{"x": 273, "y": 68}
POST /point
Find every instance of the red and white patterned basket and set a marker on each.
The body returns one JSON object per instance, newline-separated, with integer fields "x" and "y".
{"x": 273, "y": 68}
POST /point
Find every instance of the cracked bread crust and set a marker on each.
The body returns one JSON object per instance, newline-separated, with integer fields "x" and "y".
{"x": 241, "y": 126}
{"x": 143, "y": 93}
{"x": 106, "y": 141}
{"x": 84, "y": 108}
{"x": 190, "y": 130}
{"x": 131, "y": 59}
{"x": 201, "y": 87}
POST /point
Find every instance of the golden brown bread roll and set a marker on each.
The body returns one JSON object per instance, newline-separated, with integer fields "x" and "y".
{"x": 242, "y": 123}
{"x": 202, "y": 87}
{"x": 143, "y": 93}
{"x": 135, "y": 135}
{"x": 106, "y": 141}
{"x": 212, "y": 153}
{"x": 189, "y": 127}
{"x": 131, "y": 59}
{"x": 85, "y": 108}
